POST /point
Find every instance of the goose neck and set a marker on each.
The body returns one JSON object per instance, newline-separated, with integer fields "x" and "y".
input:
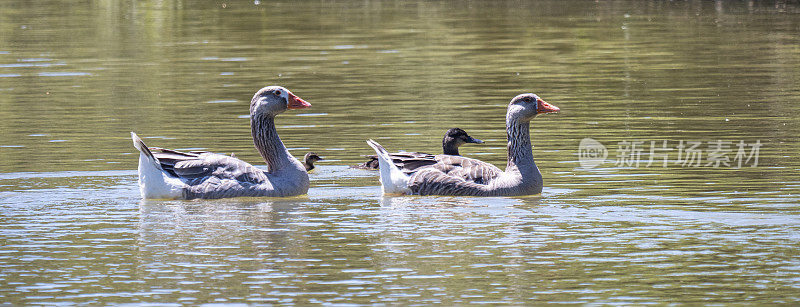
{"x": 520, "y": 150}
{"x": 268, "y": 143}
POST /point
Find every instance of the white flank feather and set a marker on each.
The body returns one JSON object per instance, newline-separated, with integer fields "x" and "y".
{"x": 393, "y": 180}
{"x": 154, "y": 182}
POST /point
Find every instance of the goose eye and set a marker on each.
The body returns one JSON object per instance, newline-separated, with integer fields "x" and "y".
{"x": 278, "y": 92}
{"x": 526, "y": 99}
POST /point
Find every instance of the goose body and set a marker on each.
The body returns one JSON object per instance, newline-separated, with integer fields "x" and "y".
{"x": 408, "y": 161}
{"x": 455, "y": 175}
{"x": 171, "y": 174}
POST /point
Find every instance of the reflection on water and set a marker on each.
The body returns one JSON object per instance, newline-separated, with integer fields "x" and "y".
{"x": 75, "y": 79}
{"x": 358, "y": 247}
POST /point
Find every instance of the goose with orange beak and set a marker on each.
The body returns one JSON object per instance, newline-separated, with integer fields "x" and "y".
{"x": 456, "y": 175}
{"x": 172, "y": 174}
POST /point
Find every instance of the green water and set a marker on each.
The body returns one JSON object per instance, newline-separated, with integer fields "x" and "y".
{"x": 76, "y": 78}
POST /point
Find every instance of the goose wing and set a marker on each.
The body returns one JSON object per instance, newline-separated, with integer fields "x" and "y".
{"x": 405, "y": 161}
{"x": 409, "y": 161}
{"x": 167, "y": 158}
{"x": 454, "y": 175}
{"x": 196, "y": 167}
{"x": 467, "y": 169}
{"x": 433, "y": 181}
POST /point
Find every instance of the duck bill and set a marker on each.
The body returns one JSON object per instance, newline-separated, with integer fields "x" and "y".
{"x": 545, "y": 107}
{"x": 297, "y": 103}
{"x": 474, "y": 140}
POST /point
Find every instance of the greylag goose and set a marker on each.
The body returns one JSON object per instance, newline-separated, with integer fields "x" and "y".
{"x": 309, "y": 159}
{"x": 408, "y": 161}
{"x": 170, "y": 174}
{"x": 455, "y": 175}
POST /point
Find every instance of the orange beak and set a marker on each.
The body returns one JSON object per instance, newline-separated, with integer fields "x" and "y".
{"x": 297, "y": 103}
{"x": 545, "y": 107}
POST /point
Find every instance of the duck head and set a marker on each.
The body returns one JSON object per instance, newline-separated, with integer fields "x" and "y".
{"x": 312, "y": 157}
{"x": 309, "y": 159}
{"x": 459, "y": 137}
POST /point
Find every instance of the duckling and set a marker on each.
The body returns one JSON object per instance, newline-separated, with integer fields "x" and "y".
{"x": 309, "y": 159}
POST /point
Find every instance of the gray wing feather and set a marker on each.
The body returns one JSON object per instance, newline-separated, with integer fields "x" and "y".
{"x": 405, "y": 161}
{"x": 432, "y": 181}
{"x": 168, "y": 158}
{"x": 210, "y": 175}
{"x": 454, "y": 175}
{"x": 219, "y": 166}
{"x": 201, "y": 164}
{"x": 466, "y": 168}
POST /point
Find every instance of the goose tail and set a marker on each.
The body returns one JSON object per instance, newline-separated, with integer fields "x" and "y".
{"x": 393, "y": 180}
{"x": 139, "y": 144}
{"x": 154, "y": 183}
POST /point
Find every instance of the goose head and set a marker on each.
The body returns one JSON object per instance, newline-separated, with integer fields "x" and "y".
{"x": 458, "y": 137}
{"x": 525, "y": 107}
{"x": 273, "y": 100}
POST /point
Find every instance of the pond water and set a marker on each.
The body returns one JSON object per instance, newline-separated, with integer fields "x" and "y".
{"x": 717, "y": 81}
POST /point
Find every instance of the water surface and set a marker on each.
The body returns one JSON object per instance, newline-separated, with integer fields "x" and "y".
{"x": 75, "y": 79}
